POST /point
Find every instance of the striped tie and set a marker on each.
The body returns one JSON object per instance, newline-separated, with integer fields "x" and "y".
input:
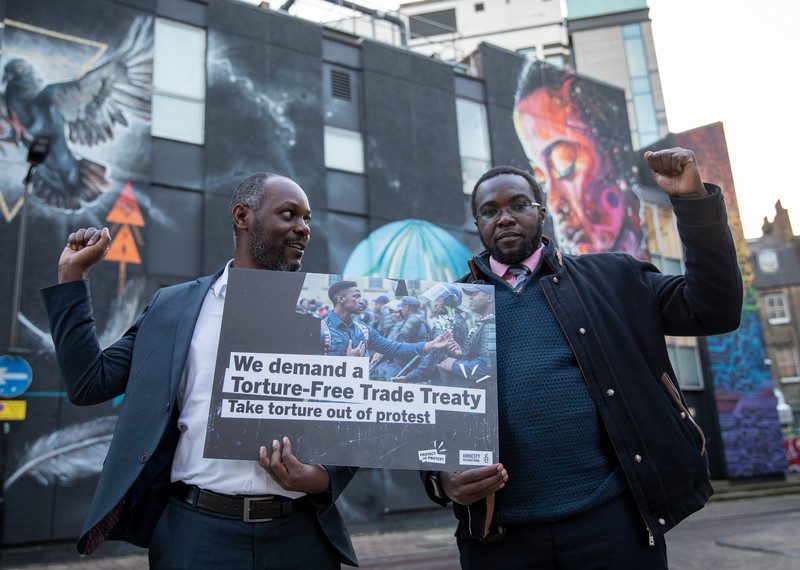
{"x": 520, "y": 273}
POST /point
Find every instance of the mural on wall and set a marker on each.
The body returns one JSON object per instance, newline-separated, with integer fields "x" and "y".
{"x": 576, "y": 136}
{"x": 409, "y": 249}
{"x": 746, "y": 406}
{"x": 68, "y": 454}
{"x": 79, "y": 102}
{"x": 81, "y": 75}
{"x": 267, "y": 113}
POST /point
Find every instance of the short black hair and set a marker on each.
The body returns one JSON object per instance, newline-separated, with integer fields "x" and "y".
{"x": 507, "y": 169}
{"x": 250, "y": 192}
{"x": 338, "y": 287}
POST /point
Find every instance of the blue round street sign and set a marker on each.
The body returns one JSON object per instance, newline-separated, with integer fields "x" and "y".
{"x": 15, "y": 376}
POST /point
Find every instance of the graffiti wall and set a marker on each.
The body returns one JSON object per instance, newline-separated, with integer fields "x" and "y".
{"x": 746, "y": 407}
{"x": 79, "y": 73}
{"x": 574, "y": 136}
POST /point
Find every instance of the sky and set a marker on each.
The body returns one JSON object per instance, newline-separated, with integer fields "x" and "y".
{"x": 730, "y": 61}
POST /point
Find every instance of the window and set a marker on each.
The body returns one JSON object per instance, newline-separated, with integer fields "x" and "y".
{"x": 473, "y": 141}
{"x": 344, "y": 149}
{"x": 479, "y": 7}
{"x": 528, "y": 52}
{"x": 179, "y": 82}
{"x": 787, "y": 365}
{"x": 432, "y": 23}
{"x": 768, "y": 260}
{"x": 557, "y": 60}
{"x": 777, "y": 309}
{"x": 684, "y": 355}
{"x": 641, "y": 91}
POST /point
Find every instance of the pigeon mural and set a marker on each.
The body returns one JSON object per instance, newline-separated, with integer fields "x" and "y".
{"x": 85, "y": 111}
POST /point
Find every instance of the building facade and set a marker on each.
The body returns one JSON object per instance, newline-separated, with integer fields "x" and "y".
{"x": 613, "y": 42}
{"x": 386, "y": 143}
{"x": 609, "y": 41}
{"x": 775, "y": 258}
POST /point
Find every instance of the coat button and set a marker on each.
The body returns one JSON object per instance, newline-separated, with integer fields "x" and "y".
{"x": 683, "y": 415}
{"x": 610, "y": 392}
{"x": 662, "y": 522}
{"x": 144, "y": 457}
{"x": 169, "y": 405}
{"x": 637, "y": 458}
{"x": 555, "y": 280}
{"x": 582, "y": 330}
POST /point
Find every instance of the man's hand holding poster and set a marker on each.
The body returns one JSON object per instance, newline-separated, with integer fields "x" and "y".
{"x": 356, "y": 371}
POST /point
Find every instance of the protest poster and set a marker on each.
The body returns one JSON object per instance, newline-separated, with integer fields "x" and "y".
{"x": 300, "y": 355}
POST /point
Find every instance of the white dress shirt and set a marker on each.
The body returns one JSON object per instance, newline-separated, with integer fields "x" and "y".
{"x": 228, "y": 476}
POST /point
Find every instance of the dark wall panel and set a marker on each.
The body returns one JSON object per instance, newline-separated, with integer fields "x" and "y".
{"x": 238, "y": 18}
{"x": 217, "y": 232}
{"x": 263, "y": 113}
{"x": 178, "y": 164}
{"x": 413, "y": 166}
{"x": 175, "y": 249}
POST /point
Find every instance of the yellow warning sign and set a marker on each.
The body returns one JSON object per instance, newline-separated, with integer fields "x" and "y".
{"x": 123, "y": 247}
{"x": 126, "y": 209}
{"x": 13, "y": 410}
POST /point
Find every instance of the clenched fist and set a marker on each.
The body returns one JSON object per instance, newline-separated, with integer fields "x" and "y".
{"x": 676, "y": 173}
{"x": 85, "y": 248}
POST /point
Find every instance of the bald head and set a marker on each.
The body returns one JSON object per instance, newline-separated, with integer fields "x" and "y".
{"x": 270, "y": 216}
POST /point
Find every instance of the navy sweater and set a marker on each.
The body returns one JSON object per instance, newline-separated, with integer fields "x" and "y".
{"x": 559, "y": 460}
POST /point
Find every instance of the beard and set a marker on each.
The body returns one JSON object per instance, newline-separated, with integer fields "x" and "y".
{"x": 520, "y": 254}
{"x": 270, "y": 257}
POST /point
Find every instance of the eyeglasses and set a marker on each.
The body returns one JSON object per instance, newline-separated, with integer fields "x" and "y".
{"x": 514, "y": 210}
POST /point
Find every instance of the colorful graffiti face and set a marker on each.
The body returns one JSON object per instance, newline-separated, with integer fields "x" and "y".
{"x": 515, "y": 230}
{"x": 593, "y": 207}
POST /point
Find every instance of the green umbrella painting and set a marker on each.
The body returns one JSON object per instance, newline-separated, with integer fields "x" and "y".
{"x": 409, "y": 249}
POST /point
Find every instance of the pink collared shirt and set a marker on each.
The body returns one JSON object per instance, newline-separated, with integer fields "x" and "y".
{"x": 501, "y": 269}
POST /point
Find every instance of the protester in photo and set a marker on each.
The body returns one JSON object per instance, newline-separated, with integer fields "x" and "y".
{"x": 445, "y": 302}
{"x": 600, "y": 454}
{"x": 156, "y": 488}
{"x": 343, "y": 335}
{"x": 383, "y": 319}
{"x": 475, "y": 361}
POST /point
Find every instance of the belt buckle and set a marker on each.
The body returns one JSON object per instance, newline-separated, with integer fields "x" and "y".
{"x": 246, "y": 508}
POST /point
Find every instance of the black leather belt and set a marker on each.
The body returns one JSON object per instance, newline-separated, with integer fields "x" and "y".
{"x": 255, "y": 508}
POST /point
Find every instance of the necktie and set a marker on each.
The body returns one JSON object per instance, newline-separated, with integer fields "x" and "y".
{"x": 520, "y": 273}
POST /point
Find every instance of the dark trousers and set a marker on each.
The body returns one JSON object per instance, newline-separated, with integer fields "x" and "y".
{"x": 192, "y": 538}
{"x": 612, "y": 536}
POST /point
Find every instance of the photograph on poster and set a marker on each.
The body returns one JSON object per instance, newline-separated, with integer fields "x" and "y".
{"x": 356, "y": 371}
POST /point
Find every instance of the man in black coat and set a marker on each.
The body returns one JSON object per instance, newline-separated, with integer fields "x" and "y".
{"x": 600, "y": 454}
{"x": 156, "y": 488}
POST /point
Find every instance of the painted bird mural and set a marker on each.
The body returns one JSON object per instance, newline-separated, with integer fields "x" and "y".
{"x": 88, "y": 111}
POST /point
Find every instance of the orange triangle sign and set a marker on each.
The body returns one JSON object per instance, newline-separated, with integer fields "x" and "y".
{"x": 123, "y": 247}
{"x": 126, "y": 209}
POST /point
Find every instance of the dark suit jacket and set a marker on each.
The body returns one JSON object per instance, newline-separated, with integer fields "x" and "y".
{"x": 146, "y": 365}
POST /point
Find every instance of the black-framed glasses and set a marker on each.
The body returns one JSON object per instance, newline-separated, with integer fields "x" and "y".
{"x": 514, "y": 210}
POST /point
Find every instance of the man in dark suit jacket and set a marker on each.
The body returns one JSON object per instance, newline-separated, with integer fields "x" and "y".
{"x": 156, "y": 489}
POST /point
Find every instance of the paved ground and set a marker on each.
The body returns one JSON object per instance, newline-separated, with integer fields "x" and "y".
{"x": 749, "y": 532}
